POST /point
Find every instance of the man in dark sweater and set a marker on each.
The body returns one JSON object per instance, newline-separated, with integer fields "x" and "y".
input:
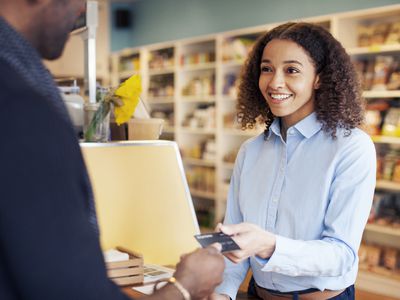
{"x": 49, "y": 243}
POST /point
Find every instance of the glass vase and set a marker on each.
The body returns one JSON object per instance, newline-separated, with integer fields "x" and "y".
{"x": 97, "y": 122}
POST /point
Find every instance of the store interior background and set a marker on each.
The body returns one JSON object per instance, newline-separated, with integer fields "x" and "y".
{"x": 155, "y": 23}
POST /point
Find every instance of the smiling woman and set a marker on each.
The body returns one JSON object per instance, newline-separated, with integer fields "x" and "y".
{"x": 301, "y": 192}
{"x": 287, "y": 81}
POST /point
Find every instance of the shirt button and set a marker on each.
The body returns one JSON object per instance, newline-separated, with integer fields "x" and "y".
{"x": 291, "y": 132}
{"x": 277, "y": 269}
{"x": 275, "y": 199}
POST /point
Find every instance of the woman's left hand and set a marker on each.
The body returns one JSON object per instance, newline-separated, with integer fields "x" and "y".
{"x": 251, "y": 239}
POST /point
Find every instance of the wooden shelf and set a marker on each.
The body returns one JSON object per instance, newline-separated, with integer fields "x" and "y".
{"x": 239, "y": 132}
{"x": 199, "y": 162}
{"x": 376, "y": 283}
{"x": 203, "y": 66}
{"x": 373, "y": 49}
{"x": 381, "y": 94}
{"x": 228, "y": 98}
{"x": 388, "y": 185}
{"x": 383, "y": 229}
{"x": 380, "y": 139}
{"x": 198, "y": 99}
{"x": 160, "y": 100}
{"x": 201, "y": 194}
{"x": 163, "y": 71}
{"x": 198, "y": 130}
{"x": 232, "y": 63}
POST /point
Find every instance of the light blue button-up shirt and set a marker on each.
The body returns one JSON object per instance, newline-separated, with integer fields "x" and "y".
{"x": 315, "y": 193}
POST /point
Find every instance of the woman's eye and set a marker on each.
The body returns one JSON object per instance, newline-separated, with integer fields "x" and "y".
{"x": 266, "y": 69}
{"x": 292, "y": 70}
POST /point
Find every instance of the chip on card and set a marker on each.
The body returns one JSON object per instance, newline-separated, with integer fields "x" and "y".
{"x": 228, "y": 244}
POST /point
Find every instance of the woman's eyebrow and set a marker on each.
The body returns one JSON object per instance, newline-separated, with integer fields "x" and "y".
{"x": 292, "y": 61}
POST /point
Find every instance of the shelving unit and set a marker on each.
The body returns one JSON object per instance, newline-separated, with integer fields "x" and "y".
{"x": 200, "y": 108}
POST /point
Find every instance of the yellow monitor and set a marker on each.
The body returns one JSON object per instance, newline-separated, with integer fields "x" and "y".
{"x": 142, "y": 198}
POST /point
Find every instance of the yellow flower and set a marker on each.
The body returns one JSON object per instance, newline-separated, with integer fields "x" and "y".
{"x": 128, "y": 92}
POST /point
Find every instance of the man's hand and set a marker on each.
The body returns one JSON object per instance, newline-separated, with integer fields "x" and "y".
{"x": 251, "y": 239}
{"x": 215, "y": 296}
{"x": 201, "y": 271}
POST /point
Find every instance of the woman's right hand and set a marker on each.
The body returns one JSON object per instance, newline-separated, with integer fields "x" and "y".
{"x": 251, "y": 239}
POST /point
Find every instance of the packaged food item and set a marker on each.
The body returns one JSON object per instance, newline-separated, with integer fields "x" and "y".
{"x": 396, "y": 171}
{"x": 393, "y": 36}
{"x": 390, "y": 161}
{"x": 379, "y": 33}
{"x": 360, "y": 67}
{"x": 372, "y": 122}
{"x": 368, "y": 75}
{"x": 362, "y": 253}
{"x": 394, "y": 78}
{"x": 382, "y": 70}
{"x": 391, "y": 125}
{"x": 374, "y": 256}
{"x": 391, "y": 258}
{"x": 364, "y": 35}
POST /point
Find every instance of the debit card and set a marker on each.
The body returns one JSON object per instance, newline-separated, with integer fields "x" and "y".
{"x": 227, "y": 243}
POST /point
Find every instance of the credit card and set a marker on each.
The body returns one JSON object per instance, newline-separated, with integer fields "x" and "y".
{"x": 228, "y": 244}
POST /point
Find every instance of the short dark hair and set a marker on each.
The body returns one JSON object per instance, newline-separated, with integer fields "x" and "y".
{"x": 338, "y": 100}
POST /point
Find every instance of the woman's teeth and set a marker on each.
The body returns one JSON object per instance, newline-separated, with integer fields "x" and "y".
{"x": 279, "y": 96}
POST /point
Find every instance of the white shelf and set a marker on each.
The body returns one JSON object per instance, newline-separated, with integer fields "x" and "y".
{"x": 383, "y": 229}
{"x": 228, "y": 98}
{"x": 163, "y": 71}
{"x": 232, "y": 63}
{"x": 198, "y": 99}
{"x": 202, "y": 66}
{"x": 158, "y": 100}
{"x": 381, "y": 94}
{"x": 379, "y": 284}
{"x": 388, "y": 185}
{"x": 201, "y": 194}
{"x": 240, "y": 132}
{"x": 380, "y": 139}
{"x": 199, "y": 162}
{"x": 197, "y": 130}
{"x": 373, "y": 49}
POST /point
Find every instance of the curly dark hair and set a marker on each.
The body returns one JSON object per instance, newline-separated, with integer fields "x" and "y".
{"x": 338, "y": 102}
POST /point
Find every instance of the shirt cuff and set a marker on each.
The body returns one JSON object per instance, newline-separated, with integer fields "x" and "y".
{"x": 261, "y": 261}
{"x": 276, "y": 262}
{"x": 226, "y": 289}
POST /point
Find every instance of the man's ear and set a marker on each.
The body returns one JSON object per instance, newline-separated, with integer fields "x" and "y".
{"x": 317, "y": 83}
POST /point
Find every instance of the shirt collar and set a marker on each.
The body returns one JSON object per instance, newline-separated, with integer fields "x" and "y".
{"x": 307, "y": 127}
